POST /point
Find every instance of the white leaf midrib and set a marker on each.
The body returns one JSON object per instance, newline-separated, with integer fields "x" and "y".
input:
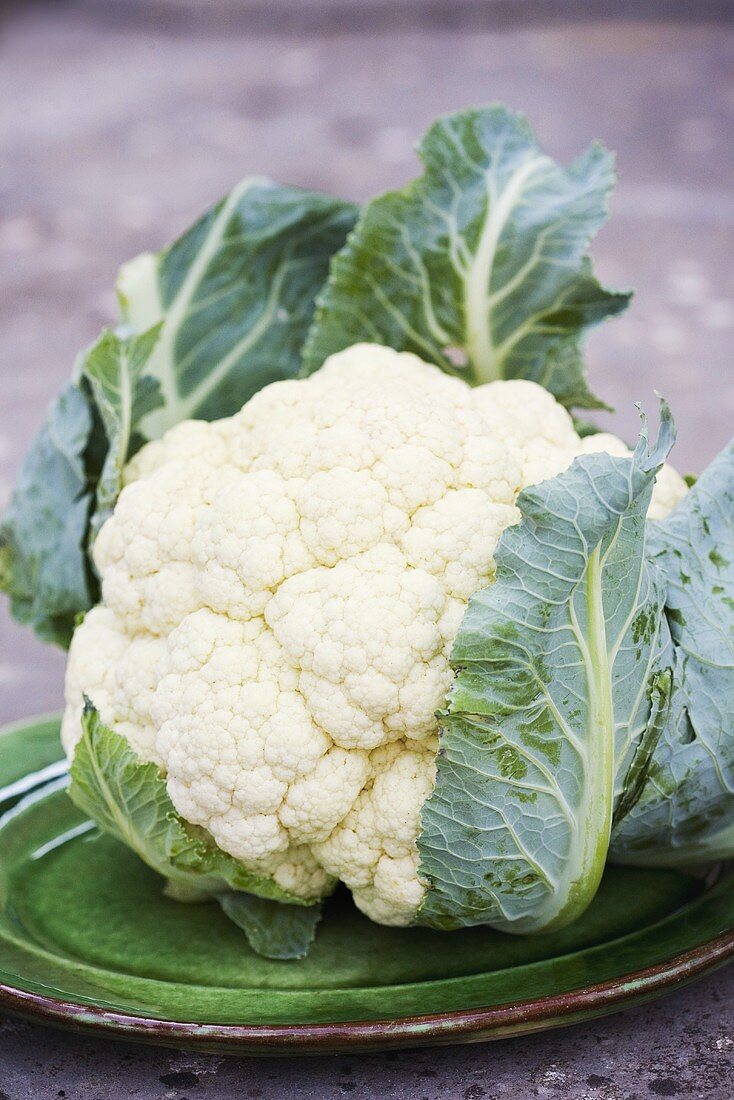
{"x": 477, "y": 277}
{"x": 162, "y": 362}
{"x": 597, "y": 802}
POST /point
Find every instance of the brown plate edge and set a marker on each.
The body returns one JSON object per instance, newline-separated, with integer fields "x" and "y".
{"x": 463, "y": 1026}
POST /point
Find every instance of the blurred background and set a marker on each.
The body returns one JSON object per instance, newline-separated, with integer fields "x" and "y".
{"x": 120, "y": 120}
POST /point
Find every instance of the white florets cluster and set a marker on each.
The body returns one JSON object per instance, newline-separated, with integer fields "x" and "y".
{"x": 281, "y": 592}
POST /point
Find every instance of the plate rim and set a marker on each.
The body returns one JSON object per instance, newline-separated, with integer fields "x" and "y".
{"x": 453, "y": 1026}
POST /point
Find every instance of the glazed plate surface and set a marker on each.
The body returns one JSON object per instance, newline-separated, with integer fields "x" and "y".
{"x": 88, "y": 941}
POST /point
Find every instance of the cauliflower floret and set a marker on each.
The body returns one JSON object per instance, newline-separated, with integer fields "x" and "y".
{"x": 122, "y": 670}
{"x": 359, "y": 632}
{"x": 532, "y": 424}
{"x": 192, "y": 439}
{"x": 455, "y": 539}
{"x": 281, "y": 593}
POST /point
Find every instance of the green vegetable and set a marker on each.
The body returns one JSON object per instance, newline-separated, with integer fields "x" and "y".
{"x": 273, "y": 930}
{"x": 685, "y": 812}
{"x": 43, "y": 565}
{"x": 129, "y": 800}
{"x": 550, "y": 702}
{"x": 479, "y": 265}
{"x": 123, "y": 395}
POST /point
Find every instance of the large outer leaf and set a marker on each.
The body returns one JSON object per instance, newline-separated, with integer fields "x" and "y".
{"x": 43, "y": 566}
{"x": 556, "y": 663}
{"x": 129, "y": 799}
{"x": 236, "y": 297}
{"x": 114, "y": 369}
{"x": 686, "y": 810}
{"x": 479, "y": 265}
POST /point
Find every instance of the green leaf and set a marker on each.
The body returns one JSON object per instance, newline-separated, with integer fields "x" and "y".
{"x": 235, "y": 295}
{"x": 43, "y": 566}
{"x": 273, "y": 930}
{"x": 480, "y": 265}
{"x": 552, "y": 698}
{"x": 685, "y": 812}
{"x": 123, "y": 395}
{"x": 661, "y": 686}
{"x": 585, "y": 428}
{"x": 129, "y": 800}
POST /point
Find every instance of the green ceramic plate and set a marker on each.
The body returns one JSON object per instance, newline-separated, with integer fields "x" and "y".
{"x": 88, "y": 941}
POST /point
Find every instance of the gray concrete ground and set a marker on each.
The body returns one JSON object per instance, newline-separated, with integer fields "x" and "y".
{"x": 119, "y": 122}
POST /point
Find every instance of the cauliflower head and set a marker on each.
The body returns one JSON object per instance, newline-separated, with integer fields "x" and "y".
{"x": 281, "y": 591}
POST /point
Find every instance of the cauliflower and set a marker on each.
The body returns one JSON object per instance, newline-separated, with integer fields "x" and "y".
{"x": 281, "y": 591}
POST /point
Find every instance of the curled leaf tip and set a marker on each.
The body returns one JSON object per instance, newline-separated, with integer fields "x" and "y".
{"x": 651, "y": 457}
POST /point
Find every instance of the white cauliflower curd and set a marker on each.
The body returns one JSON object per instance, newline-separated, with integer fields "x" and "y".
{"x": 281, "y": 590}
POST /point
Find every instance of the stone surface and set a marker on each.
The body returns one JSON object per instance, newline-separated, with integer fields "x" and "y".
{"x": 119, "y": 123}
